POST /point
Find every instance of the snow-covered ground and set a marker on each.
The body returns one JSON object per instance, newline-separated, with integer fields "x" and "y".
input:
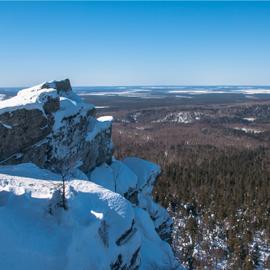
{"x": 198, "y": 91}
{"x": 132, "y": 93}
{"x": 208, "y": 246}
{"x": 180, "y": 117}
{"x": 37, "y": 233}
{"x": 250, "y": 119}
{"x": 249, "y": 130}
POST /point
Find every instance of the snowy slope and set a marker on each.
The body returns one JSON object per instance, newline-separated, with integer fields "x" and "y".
{"x": 42, "y": 235}
{"x": 42, "y": 238}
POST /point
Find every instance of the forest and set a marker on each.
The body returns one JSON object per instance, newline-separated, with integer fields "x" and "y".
{"x": 216, "y": 188}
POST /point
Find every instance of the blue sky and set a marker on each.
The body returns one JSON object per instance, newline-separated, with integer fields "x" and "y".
{"x": 131, "y": 43}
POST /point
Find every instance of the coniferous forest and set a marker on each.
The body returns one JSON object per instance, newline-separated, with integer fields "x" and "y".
{"x": 219, "y": 199}
{"x": 215, "y": 178}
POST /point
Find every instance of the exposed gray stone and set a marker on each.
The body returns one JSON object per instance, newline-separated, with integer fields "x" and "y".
{"x": 63, "y": 85}
{"x": 52, "y": 105}
{"x": 21, "y": 129}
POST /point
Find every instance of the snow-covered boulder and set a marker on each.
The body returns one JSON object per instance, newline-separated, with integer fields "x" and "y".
{"x": 65, "y": 202}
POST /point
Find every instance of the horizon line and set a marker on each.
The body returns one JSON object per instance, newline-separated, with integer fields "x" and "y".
{"x": 150, "y": 85}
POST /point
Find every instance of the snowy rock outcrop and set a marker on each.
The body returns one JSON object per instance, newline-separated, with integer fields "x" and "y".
{"x": 50, "y": 126}
{"x": 65, "y": 202}
{"x": 134, "y": 179}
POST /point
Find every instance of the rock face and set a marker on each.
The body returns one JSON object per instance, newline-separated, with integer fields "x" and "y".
{"x": 50, "y": 126}
{"x": 64, "y": 199}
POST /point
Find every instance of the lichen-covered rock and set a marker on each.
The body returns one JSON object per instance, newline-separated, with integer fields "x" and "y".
{"x": 50, "y": 126}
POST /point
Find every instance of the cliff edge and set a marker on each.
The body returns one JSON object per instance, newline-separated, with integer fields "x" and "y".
{"x": 65, "y": 201}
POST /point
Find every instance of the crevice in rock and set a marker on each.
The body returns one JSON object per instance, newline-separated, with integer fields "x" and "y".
{"x": 126, "y": 235}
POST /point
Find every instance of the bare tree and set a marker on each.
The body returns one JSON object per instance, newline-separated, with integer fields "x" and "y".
{"x": 65, "y": 167}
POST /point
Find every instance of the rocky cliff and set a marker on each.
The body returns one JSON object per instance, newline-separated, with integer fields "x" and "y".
{"x": 50, "y": 126}
{"x": 65, "y": 201}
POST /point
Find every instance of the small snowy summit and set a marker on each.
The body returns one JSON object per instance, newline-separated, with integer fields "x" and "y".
{"x": 65, "y": 201}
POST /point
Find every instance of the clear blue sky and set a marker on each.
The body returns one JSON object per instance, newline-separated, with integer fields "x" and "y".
{"x": 129, "y": 43}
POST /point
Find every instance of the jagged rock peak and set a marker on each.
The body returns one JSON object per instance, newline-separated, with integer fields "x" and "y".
{"x": 63, "y": 85}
